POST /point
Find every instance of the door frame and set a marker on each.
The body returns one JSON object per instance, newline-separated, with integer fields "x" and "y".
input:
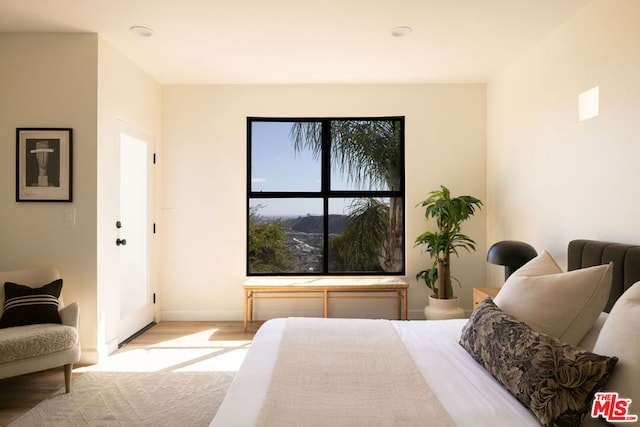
{"x": 139, "y": 320}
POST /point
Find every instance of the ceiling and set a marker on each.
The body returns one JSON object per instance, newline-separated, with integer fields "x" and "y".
{"x": 303, "y": 41}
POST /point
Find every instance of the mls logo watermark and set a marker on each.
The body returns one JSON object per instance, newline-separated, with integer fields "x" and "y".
{"x": 612, "y": 408}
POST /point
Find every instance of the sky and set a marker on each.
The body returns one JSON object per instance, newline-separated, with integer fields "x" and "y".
{"x": 276, "y": 166}
{"x": 275, "y": 163}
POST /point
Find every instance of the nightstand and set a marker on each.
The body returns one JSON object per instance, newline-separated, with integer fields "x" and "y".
{"x": 481, "y": 293}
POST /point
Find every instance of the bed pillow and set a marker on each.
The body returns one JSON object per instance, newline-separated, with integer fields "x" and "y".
{"x": 563, "y": 305}
{"x": 555, "y": 380}
{"x": 25, "y": 305}
{"x": 620, "y": 335}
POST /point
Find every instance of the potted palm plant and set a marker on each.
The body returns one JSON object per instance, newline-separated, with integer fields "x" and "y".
{"x": 449, "y": 214}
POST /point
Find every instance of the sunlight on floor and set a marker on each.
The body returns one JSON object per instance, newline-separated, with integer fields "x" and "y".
{"x": 200, "y": 339}
{"x": 190, "y": 353}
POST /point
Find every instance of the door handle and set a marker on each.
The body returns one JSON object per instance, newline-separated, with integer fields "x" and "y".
{"x": 121, "y": 242}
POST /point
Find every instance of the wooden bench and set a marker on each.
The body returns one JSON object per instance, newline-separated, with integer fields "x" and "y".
{"x": 325, "y": 288}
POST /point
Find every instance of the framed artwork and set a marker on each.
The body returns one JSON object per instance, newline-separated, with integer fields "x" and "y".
{"x": 43, "y": 164}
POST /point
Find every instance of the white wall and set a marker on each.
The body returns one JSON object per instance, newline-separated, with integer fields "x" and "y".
{"x": 49, "y": 80}
{"x": 128, "y": 100}
{"x": 552, "y": 178}
{"x": 81, "y": 82}
{"x": 546, "y": 177}
{"x": 203, "y": 223}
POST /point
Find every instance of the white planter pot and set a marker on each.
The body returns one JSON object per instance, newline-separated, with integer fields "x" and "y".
{"x": 440, "y": 309}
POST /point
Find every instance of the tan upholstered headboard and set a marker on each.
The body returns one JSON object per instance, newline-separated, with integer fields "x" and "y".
{"x": 625, "y": 257}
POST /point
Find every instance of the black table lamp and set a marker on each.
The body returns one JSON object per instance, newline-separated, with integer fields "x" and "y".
{"x": 512, "y": 254}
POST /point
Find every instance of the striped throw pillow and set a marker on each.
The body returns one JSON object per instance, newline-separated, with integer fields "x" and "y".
{"x": 24, "y": 305}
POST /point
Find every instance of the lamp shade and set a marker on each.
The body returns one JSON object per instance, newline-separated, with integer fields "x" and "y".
{"x": 510, "y": 253}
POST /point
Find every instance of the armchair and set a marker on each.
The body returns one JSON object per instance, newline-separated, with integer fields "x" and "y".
{"x": 36, "y": 347}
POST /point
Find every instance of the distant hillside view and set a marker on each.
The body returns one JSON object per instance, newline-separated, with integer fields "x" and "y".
{"x": 315, "y": 224}
{"x": 305, "y": 236}
{"x": 302, "y": 243}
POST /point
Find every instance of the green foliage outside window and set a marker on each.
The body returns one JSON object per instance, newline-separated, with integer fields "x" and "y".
{"x": 268, "y": 251}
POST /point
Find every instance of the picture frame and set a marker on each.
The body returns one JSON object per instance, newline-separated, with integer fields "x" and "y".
{"x": 44, "y": 164}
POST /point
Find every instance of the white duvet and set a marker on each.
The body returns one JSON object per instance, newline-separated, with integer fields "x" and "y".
{"x": 469, "y": 394}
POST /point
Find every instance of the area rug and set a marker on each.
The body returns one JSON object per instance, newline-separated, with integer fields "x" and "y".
{"x": 162, "y": 398}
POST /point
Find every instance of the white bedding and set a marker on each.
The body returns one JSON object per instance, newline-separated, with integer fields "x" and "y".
{"x": 470, "y": 395}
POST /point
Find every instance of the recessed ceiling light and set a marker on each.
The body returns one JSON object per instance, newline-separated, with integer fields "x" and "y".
{"x": 401, "y": 31}
{"x": 141, "y": 31}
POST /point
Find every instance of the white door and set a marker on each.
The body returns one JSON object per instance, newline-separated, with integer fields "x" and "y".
{"x": 135, "y": 229}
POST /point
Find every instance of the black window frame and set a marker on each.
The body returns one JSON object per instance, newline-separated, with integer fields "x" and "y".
{"x": 325, "y": 192}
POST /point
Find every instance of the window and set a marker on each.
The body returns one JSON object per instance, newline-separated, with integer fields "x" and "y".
{"x": 325, "y": 196}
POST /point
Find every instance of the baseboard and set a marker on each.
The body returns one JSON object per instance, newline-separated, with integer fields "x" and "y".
{"x": 88, "y": 356}
{"x": 416, "y": 314}
{"x": 199, "y": 316}
{"x": 91, "y": 356}
{"x": 230, "y": 316}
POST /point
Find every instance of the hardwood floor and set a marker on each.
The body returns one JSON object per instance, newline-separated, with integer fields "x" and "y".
{"x": 19, "y": 394}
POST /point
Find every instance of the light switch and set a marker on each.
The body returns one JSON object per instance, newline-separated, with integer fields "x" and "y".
{"x": 70, "y": 216}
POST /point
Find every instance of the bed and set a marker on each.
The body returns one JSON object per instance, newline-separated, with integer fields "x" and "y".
{"x": 359, "y": 372}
